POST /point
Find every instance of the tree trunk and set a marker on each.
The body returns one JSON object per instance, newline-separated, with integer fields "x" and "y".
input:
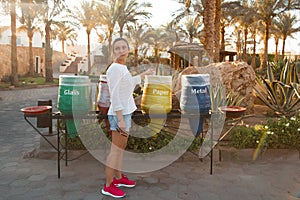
{"x": 48, "y": 55}
{"x": 209, "y": 27}
{"x": 63, "y": 46}
{"x": 253, "y": 61}
{"x": 245, "y": 56}
{"x": 31, "y": 65}
{"x": 223, "y": 38}
{"x": 239, "y": 45}
{"x": 266, "y": 38}
{"x": 14, "y": 57}
{"x": 217, "y": 32}
{"x": 276, "y": 48}
{"x": 110, "y": 59}
{"x": 156, "y": 58}
{"x": 121, "y": 30}
{"x": 283, "y": 47}
{"x": 136, "y": 59}
{"x": 222, "y": 48}
{"x": 88, "y": 32}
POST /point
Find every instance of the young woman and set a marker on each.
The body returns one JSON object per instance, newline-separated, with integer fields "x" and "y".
{"x": 121, "y": 85}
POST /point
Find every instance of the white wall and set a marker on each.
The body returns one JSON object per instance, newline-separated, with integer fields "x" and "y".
{"x": 22, "y": 39}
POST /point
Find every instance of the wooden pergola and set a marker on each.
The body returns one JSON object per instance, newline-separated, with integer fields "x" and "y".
{"x": 186, "y": 54}
{"x": 224, "y": 53}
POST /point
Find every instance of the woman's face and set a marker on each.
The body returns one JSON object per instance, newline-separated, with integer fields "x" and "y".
{"x": 120, "y": 50}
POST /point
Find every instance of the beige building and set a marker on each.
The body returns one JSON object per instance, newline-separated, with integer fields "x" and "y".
{"x": 23, "y": 60}
{"x": 23, "y": 53}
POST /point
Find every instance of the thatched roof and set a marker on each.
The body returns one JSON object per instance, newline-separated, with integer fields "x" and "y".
{"x": 183, "y": 46}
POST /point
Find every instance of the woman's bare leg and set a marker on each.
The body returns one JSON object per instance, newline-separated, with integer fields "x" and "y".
{"x": 115, "y": 158}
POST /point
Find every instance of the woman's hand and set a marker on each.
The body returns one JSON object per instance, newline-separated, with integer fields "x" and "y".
{"x": 122, "y": 129}
{"x": 122, "y": 125}
{"x": 150, "y": 71}
{"x": 121, "y": 122}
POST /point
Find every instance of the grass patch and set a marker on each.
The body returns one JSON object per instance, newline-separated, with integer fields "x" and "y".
{"x": 4, "y": 85}
{"x": 29, "y": 82}
{"x": 24, "y": 81}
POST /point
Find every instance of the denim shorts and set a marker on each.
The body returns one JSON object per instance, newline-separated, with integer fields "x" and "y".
{"x": 113, "y": 122}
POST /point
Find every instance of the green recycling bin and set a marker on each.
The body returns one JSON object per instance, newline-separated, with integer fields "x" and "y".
{"x": 74, "y": 99}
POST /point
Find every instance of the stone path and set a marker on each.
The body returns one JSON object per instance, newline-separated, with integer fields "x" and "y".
{"x": 275, "y": 176}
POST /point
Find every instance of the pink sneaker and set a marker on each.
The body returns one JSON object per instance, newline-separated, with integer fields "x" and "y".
{"x": 113, "y": 191}
{"x": 124, "y": 181}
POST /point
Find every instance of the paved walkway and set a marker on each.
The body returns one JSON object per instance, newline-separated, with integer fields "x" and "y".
{"x": 276, "y": 177}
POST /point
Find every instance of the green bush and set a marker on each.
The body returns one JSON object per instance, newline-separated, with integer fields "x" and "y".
{"x": 245, "y": 137}
{"x": 135, "y": 144}
{"x": 158, "y": 141}
{"x": 257, "y": 60}
{"x": 73, "y": 143}
{"x": 284, "y": 133}
{"x": 6, "y": 79}
{"x": 275, "y": 134}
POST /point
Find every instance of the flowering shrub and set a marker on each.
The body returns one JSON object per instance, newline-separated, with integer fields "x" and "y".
{"x": 245, "y": 136}
{"x": 284, "y": 133}
{"x": 281, "y": 133}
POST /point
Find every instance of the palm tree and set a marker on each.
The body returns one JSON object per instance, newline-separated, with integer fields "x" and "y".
{"x": 65, "y": 32}
{"x": 211, "y": 13}
{"x": 267, "y": 11}
{"x": 14, "y": 58}
{"x": 174, "y": 29}
{"x": 285, "y": 24}
{"x": 160, "y": 40}
{"x": 29, "y": 19}
{"x": 10, "y": 6}
{"x": 209, "y": 26}
{"x": 190, "y": 28}
{"x": 276, "y": 33}
{"x": 245, "y": 22}
{"x": 189, "y": 8}
{"x": 52, "y": 10}
{"x": 87, "y": 15}
{"x": 107, "y": 17}
{"x": 230, "y": 12}
{"x": 217, "y": 37}
{"x": 255, "y": 30}
{"x": 131, "y": 11}
{"x": 137, "y": 34}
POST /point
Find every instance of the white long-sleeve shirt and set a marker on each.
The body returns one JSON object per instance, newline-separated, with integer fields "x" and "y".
{"x": 121, "y": 86}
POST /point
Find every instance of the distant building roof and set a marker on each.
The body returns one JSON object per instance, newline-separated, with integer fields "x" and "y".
{"x": 184, "y": 46}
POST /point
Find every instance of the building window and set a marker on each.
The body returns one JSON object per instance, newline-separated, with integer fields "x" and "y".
{"x": 19, "y": 41}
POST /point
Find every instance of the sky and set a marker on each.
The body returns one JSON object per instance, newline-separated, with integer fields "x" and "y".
{"x": 162, "y": 13}
{"x": 161, "y": 10}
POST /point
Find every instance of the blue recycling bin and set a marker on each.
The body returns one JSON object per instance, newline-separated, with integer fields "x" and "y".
{"x": 195, "y": 99}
